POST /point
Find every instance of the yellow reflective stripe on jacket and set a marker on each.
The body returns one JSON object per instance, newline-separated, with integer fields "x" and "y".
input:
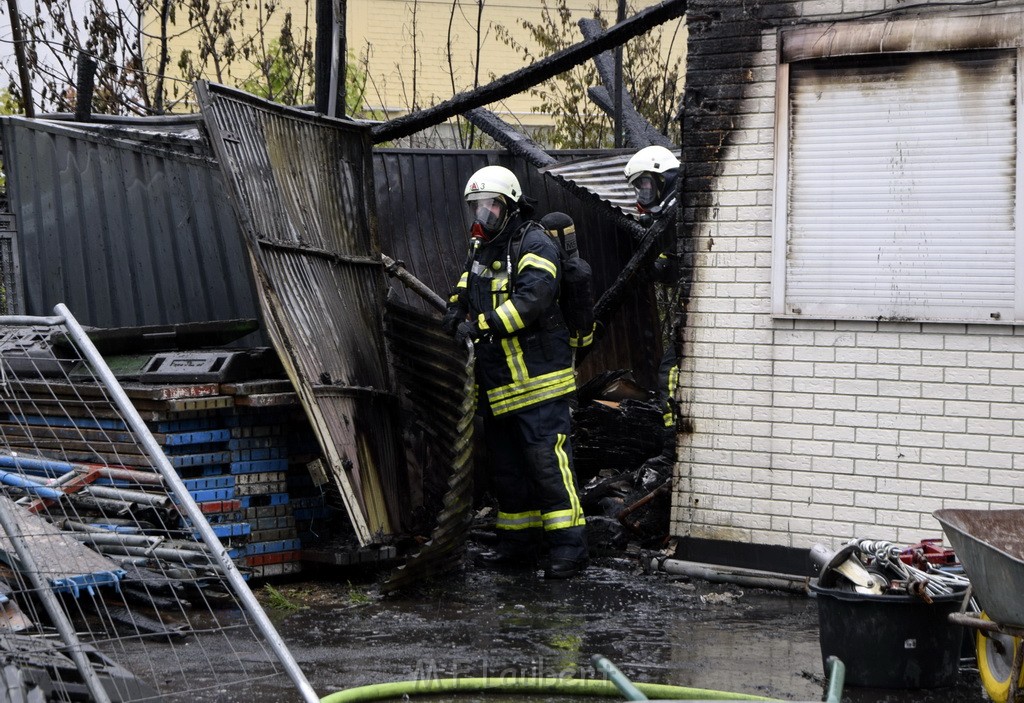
{"x": 460, "y": 287}
{"x": 517, "y": 396}
{"x": 509, "y": 317}
{"x": 582, "y": 340}
{"x": 518, "y": 521}
{"x": 517, "y": 387}
{"x": 516, "y": 363}
{"x": 537, "y": 262}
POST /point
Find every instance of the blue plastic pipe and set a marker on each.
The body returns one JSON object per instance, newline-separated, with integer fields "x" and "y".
{"x": 19, "y": 481}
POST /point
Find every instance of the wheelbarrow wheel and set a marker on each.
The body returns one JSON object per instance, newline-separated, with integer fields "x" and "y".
{"x": 995, "y": 661}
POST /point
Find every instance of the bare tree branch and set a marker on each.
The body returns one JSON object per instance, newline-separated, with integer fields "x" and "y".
{"x": 524, "y": 78}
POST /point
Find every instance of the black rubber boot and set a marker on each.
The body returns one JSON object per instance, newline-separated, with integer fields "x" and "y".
{"x": 569, "y": 555}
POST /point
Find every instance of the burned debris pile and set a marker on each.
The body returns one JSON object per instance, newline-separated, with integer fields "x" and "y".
{"x": 623, "y": 459}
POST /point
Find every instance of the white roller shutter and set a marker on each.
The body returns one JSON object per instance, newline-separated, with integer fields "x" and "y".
{"x": 901, "y": 188}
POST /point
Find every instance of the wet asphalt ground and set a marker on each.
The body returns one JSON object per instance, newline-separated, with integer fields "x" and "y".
{"x": 655, "y": 627}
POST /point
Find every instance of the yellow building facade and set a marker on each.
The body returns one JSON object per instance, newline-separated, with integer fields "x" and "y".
{"x": 415, "y": 53}
{"x": 419, "y": 52}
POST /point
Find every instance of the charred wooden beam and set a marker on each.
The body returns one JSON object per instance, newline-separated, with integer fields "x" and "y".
{"x": 525, "y": 78}
{"x": 397, "y": 270}
{"x": 643, "y": 257}
{"x": 649, "y": 248}
{"x": 509, "y": 137}
{"x": 639, "y": 132}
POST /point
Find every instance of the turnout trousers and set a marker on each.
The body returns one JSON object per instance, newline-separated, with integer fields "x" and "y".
{"x": 530, "y": 456}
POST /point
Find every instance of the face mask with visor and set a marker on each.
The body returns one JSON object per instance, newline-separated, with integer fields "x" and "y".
{"x": 488, "y": 212}
{"x": 647, "y": 188}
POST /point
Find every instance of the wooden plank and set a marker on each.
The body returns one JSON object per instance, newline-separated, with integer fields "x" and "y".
{"x": 266, "y": 400}
{"x": 145, "y": 391}
{"x": 87, "y": 434}
{"x": 273, "y": 385}
{"x": 215, "y": 402}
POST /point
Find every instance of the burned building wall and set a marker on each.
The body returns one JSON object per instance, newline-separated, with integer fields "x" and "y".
{"x": 800, "y": 428}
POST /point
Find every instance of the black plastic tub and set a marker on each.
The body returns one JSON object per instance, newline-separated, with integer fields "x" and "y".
{"x": 890, "y": 641}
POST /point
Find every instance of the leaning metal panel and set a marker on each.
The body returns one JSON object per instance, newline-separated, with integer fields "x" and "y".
{"x": 437, "y": 380}
{"x": 302, "y": 190}
{"x": 114, "y": 584}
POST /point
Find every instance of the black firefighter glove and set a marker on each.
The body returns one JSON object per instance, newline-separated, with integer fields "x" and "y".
{"x": 466, "y": 330}
{"x": 450, "y": 322}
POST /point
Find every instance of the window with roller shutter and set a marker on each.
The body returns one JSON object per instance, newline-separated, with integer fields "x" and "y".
{"x": 897, "y": 187}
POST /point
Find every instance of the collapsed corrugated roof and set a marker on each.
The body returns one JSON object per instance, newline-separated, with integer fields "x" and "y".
{"x": 601, "y": 176}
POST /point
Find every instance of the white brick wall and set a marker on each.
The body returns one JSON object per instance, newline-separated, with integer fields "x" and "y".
{"x": 819, "y": 431}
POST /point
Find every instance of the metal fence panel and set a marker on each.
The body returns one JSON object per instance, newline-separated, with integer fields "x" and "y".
{"x": 127, "y": 232}
{"x": 105, "y": 545}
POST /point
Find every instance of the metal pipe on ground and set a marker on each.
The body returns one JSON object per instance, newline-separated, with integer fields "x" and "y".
{"x": 98, "y": 538}
{"x": 752, "y": 578}
{"x": 127, "y": 495}
{"x": 145, "y": 478}
{"x": 178, "y": 556}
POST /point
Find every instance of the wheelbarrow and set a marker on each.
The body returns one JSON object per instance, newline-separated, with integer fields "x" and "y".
{"x": 990, "y": 545}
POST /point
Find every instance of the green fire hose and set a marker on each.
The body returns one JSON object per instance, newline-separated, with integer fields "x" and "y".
{"x": 619, "y": 686}
{"x": 573, "y": 687}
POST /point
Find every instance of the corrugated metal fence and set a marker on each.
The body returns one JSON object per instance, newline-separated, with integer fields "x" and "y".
{"x": 422, "y": 222}
{"x": 125, "y": 230}
{"x": 132, "y": 229}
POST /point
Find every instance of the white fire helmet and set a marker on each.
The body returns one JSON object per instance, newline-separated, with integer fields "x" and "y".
{"x": 646, "y": 170}
{"x": 491, "y": 194}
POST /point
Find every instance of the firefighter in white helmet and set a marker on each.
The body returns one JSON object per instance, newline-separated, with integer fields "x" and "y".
{"x": 653, "y": 171}
{"x": 506, "y": 302}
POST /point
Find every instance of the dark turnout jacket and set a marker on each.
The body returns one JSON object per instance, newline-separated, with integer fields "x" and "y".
{"x": 510, "y": 291}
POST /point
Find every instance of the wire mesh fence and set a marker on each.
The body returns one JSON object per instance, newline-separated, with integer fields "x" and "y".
{"x": 114, "y": 585}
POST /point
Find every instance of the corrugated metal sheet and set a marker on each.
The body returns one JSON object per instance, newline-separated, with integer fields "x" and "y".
{"x": 126, "y": 229}
{"x": 301, "y": 190}
{"x": 438, "y": 393}
{"x": 423, "y": 224}
{"x": 127, "y": 226}
{"x": 601, "y": 176}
